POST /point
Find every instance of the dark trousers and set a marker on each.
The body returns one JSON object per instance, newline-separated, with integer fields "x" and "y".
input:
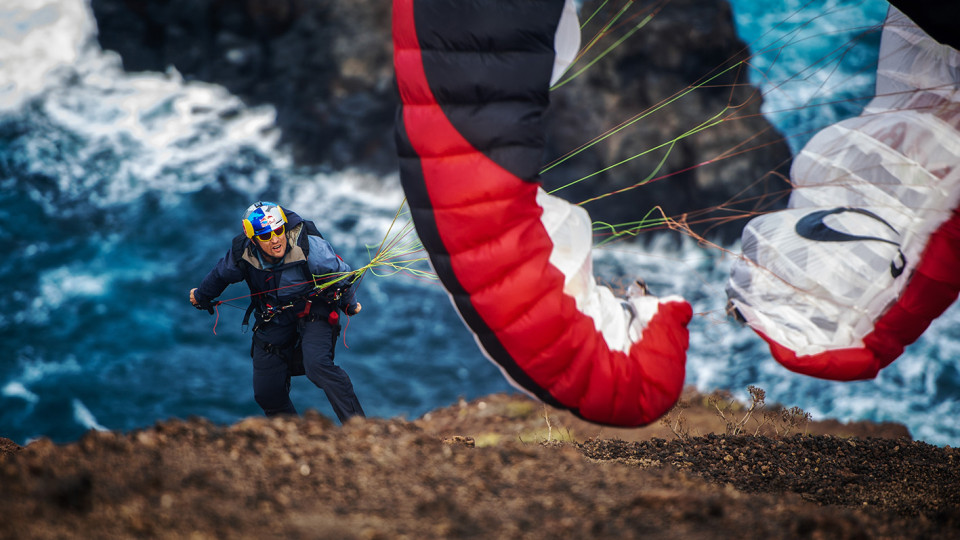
{"x": 271, "y": 375}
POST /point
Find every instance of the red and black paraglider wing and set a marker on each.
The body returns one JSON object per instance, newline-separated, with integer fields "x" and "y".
{"x": 474, "y": 82}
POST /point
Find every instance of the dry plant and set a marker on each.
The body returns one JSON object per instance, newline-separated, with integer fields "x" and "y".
{"x": 735, "y": 415}
{"x": 675, "y": 421}
{"x": 546, "y": 416}
{"x": 726, "y": 406}
{"x": 786, "y": 420}
{"x": 782, "y": 420}
{"x": 563, "y": 433}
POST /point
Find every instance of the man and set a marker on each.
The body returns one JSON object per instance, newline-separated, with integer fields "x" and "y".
{"x": 297, "y": 285}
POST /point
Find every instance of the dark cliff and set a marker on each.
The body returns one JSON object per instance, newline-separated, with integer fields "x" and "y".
{"x": 326, "y": 66}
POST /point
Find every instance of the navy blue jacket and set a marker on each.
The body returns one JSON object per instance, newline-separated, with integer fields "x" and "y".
{"x": 308, "y": 255}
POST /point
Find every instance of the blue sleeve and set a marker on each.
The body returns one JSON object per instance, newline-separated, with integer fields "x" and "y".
{"x": 223, "y": 274}
{"x": 323, "y": 261}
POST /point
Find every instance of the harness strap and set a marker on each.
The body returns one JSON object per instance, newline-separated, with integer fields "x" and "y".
{"x": 246, "y": 317}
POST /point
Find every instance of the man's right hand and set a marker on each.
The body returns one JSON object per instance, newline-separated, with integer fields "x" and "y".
{"x": 201, "y": 305}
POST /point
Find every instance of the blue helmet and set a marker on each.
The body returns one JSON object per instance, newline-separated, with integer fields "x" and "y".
{"x": 263, "y": 218}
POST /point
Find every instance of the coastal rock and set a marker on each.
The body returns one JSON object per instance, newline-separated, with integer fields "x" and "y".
{"x": 327, "y": 68}
{"x": 8, "y": 447}
{"x": 673, "y": 76}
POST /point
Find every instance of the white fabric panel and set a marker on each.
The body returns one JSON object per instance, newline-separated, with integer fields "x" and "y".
{"x": 620, "y": 320}
{"x": 898, "y": 162}
{"x": 566, "y": 42}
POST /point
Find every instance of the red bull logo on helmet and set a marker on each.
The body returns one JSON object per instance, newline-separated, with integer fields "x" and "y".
{"x": 263, "y": 217}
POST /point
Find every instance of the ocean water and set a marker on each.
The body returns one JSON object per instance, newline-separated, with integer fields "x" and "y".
{"x": 119, "y": 191}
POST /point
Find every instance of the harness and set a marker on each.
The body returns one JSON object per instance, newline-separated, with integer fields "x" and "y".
{"x": 266, "y": 311}
{"x": 291, "y": 352}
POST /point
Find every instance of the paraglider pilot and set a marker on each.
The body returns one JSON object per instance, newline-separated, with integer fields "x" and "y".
{"x": 297, "y": 288}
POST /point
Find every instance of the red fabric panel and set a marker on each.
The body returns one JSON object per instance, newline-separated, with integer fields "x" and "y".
{"x": 931, "y": 290}
{"x": 839, "y": 365}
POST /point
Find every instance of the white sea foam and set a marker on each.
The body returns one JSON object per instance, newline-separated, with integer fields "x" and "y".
{"x": 59, "y": 286}
{"x": 84, "y": 417}
{"x": 321, "y": 193}
{"x": 16, "y": 389}
{"x": 34, "y": 370}
{"x": 145, "y": 132}
{"x": 39, "y": 41}
{"x": 152, "y": 133}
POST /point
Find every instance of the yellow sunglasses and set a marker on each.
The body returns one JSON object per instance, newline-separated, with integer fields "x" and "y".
{"x": 264, "y": 237}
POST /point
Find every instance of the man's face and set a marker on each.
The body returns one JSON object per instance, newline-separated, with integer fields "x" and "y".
{"x": 276, "y": 246}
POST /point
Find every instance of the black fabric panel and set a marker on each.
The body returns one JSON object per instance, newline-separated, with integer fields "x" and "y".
{"x": 489, "y": 64}
{"x": 938, "y": 18}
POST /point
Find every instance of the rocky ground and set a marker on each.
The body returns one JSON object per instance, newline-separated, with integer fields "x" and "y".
{"x": 498, "y": 467}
